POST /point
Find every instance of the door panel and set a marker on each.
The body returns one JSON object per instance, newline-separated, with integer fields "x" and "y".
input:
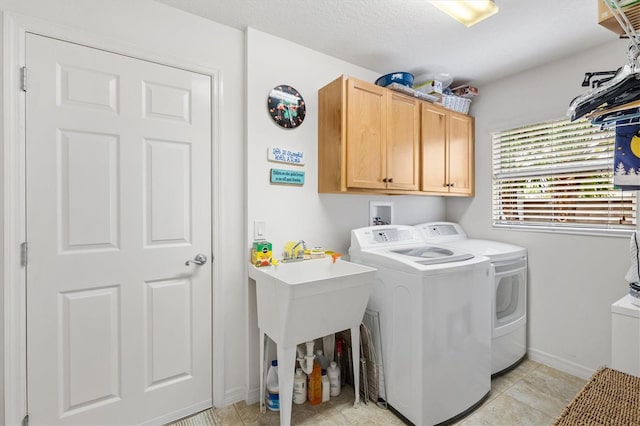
{"x": 90, "y": 332}
{"x": 165, "y": 102}
{"x": 167, "y": 196}
{"x": 366, "y": 133}
{"x": 118, "y": 157}
{"x": 87, "y": 88}
{"x": 434, "y": 155}
{"x": 88, "y": 166}
{"x": 168, "y": 332}
{"x": 461, "y": 157}
{"x": 403, "y": 142}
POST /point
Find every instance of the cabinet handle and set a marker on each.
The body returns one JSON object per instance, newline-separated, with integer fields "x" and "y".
{"x": 385, "y": 180}
{"x": 445, "y": 185}
{"x": 451, "y": 185}
{"x": 390, "y": 180}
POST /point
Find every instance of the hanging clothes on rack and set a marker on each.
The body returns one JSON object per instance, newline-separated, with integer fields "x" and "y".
{"x": 608, "y": 117}
{"x": 615, "y": 119}
{"x": 620, "y": 90}
{"x": 624, "y": 87}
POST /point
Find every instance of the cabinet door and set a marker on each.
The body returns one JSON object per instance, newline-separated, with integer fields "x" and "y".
{"x": 366, "y": 132}
{"x": 403, "y": 142}
{"x": 460, "y": 154}
{"x": 434, "y": 152}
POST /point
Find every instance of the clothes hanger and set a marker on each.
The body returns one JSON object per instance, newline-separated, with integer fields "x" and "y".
{"x": 597, "y": 83}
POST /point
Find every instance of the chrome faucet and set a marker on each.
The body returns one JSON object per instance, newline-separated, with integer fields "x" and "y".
{"x": 293, "y": 249}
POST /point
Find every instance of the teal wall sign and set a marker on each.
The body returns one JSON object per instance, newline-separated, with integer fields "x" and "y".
{"x": 289, "y": 177}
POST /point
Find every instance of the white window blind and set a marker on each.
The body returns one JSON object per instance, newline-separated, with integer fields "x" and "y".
{"x": 559, "y": 174}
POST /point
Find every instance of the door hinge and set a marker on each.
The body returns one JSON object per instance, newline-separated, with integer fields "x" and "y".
{"x": 24, "y": 253}
{"x": 23, "y": 79}
{"x": 25, "y": 421}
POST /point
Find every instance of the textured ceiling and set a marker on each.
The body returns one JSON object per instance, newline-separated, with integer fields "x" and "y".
{"x": 412, "y": 35}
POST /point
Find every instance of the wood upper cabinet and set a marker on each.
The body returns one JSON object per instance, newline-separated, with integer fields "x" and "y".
{"x": 366, "y": 111}
{"x": 375, "y": 140}
{"x": 368, "y": 138}
{"x": 447, "y": 151}
{"x": 403, "y": 142}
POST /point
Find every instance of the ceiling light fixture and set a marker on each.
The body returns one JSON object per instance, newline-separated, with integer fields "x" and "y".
{"x": 468, "y": 12}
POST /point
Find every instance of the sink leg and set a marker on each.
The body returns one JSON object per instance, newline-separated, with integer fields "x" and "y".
{"x": 262, "y": 378}
{"x": 355, "y": 352}
{"x": 286, "y": 366}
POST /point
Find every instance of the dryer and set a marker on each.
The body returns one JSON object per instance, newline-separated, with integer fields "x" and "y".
{"x": 509, "y": 301}
{"x": 434, "y": 305}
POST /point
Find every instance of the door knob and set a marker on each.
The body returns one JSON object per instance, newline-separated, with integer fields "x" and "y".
{"x": 200, "y": 259}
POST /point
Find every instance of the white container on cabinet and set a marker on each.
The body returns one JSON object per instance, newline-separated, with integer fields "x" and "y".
{"x": 625, "y": 336}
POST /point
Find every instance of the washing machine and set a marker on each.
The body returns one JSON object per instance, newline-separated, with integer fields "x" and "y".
{"x": 434, "y": 305}
{"x": 509, "y": 277}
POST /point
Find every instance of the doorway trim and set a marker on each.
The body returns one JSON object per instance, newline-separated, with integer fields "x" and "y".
{"x": 13, "y": 219}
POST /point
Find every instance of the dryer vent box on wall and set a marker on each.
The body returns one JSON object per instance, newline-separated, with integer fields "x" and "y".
{"x": 380, "y": 212}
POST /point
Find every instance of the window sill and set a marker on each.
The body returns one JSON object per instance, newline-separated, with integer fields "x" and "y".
{"x": 619, "y": 233}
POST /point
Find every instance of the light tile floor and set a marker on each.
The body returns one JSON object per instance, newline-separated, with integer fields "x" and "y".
{"x": 530, "y": 394}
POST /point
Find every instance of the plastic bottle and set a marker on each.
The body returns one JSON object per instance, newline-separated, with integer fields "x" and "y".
{"x": 334, "y": 378}
{"x": 315, "y": 384}
{"x": 326, "y": 386}
{"x": 273, "y": 390}
{"x": 324, "y": 362}
{"x": 299, "y": 387}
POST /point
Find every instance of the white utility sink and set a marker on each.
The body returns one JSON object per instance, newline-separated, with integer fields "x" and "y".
{"x": 302, "y": 301}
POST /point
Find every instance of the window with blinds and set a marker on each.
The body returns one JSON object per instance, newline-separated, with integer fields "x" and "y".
{"x": 559, "y": 175}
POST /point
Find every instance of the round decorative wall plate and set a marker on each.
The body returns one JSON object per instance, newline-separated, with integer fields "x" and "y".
{"x": 286, "y": 106}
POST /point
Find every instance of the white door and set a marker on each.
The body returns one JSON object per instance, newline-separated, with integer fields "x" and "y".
{"x": 118, "y": 198}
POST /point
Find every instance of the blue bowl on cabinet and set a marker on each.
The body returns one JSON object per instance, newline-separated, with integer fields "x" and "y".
{"x": 404, "y": 78}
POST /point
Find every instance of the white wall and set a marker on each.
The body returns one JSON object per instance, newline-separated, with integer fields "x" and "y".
{"x": 163, "y": 31}
{"x": 293, "y": 212}
{"x": 572, "y": 279}
{"x": 2, "y": 236}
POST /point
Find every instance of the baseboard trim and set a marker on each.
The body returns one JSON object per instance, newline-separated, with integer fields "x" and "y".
{"x": 560, "y": 363}
{"x": 234, "y": 395}
{"x": 253, "y": 396}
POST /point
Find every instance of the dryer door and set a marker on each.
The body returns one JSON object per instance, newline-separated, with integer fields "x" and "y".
{"x": 510, "y": 298}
